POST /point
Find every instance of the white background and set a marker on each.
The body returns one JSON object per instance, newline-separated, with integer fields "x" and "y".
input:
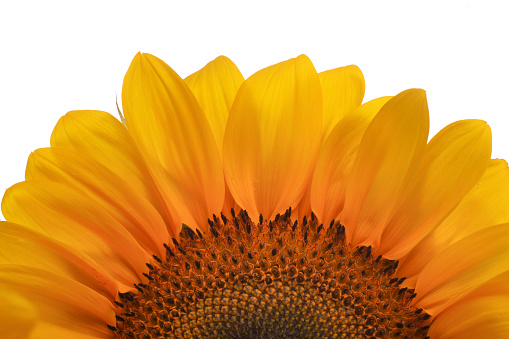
{"x": 57, "y": 56}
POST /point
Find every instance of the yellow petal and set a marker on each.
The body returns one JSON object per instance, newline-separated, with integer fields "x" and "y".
{"x": 100, "y": 136}
{"x": 75, "y": 220}
{"x": 484, "y": 205}
{"x": 17, "y": 315}
{"x": 389, "y": 152}
{"x": 170, "y": 128}
{"x": 473, "y": 319}
{"x": 453, "y": 163}
{"x": 215, "y": 87}
{"x": 343, "y": 91}
{"x": 23, "y": 246}
{"x": 116, "y": 194}
{"x": 272, "y": 137}
{"x": 463, "y": 267}
{"x": 336, "y": 158}
{"x": 66, "y": 308}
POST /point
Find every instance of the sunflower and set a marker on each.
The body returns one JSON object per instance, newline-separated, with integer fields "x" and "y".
{"x": 279, "y": 206}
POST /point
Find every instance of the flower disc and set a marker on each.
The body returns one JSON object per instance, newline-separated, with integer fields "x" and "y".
{"x": 271, "y": 279}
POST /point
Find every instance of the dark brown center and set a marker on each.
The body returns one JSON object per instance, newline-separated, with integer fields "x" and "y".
{"x": 271, "y": 279}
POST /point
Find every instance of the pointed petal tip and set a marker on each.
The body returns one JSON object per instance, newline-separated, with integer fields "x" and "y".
{"x": 480, "y": 127}
{"x": 303, "y": 58}
{"x": 485, "y": 125}
{"x": 143, "y": 58}
{"x": 222, "y": 58}
{"x": 479, "y": 122}
{"x": 225, "y": 63}
{"x": 137, "y": 56}
{"x": 503, "y": 161}
{"x": 486, "y": 128}
{"x": 358, "y": 69}
{"x": 417, "y": 93}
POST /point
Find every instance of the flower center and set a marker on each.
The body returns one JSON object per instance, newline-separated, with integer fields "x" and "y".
{"x": 271, "y": 279}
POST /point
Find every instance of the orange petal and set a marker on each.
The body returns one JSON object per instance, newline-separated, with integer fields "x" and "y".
{"x": 453, "y": 163}
{"x": 343, "y": 91}
{"x": 462, "y": 267}
{"x": 171, "y": 129}
{"x": 75, "y": 220}
{"x": 115, "y": 194}
{"x": 272, "y": 137}
{"x": 496, "y": 286}
{"x": 23, "y": 246}
{"x": 473, "y": 319}
{"x": 17, "y": 315}
{"x": 484, "y": 309}
{"x": 389, "y": 152}
{"x": 484, "y": 205}
{"x": 66, "y": 308}
{"x": 336, "y": 158}
{"x": 215, "y": 87}
{"x": 304, "y": 206}
{"x": 100, "y": 136}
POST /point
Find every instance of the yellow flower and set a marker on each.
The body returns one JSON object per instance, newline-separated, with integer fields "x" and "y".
{"x": 277, "y": 206}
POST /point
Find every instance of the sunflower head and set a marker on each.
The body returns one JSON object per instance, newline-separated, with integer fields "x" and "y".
{"x": 275, "y": 206}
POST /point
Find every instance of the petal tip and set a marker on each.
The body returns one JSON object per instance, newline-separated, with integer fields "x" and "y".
{"x": 416, "y": 92}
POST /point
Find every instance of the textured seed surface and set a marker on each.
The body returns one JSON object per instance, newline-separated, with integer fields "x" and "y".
{"x": 271, "y": 279}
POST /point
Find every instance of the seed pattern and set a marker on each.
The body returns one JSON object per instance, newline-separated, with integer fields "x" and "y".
{"x": 271, "y": 279}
